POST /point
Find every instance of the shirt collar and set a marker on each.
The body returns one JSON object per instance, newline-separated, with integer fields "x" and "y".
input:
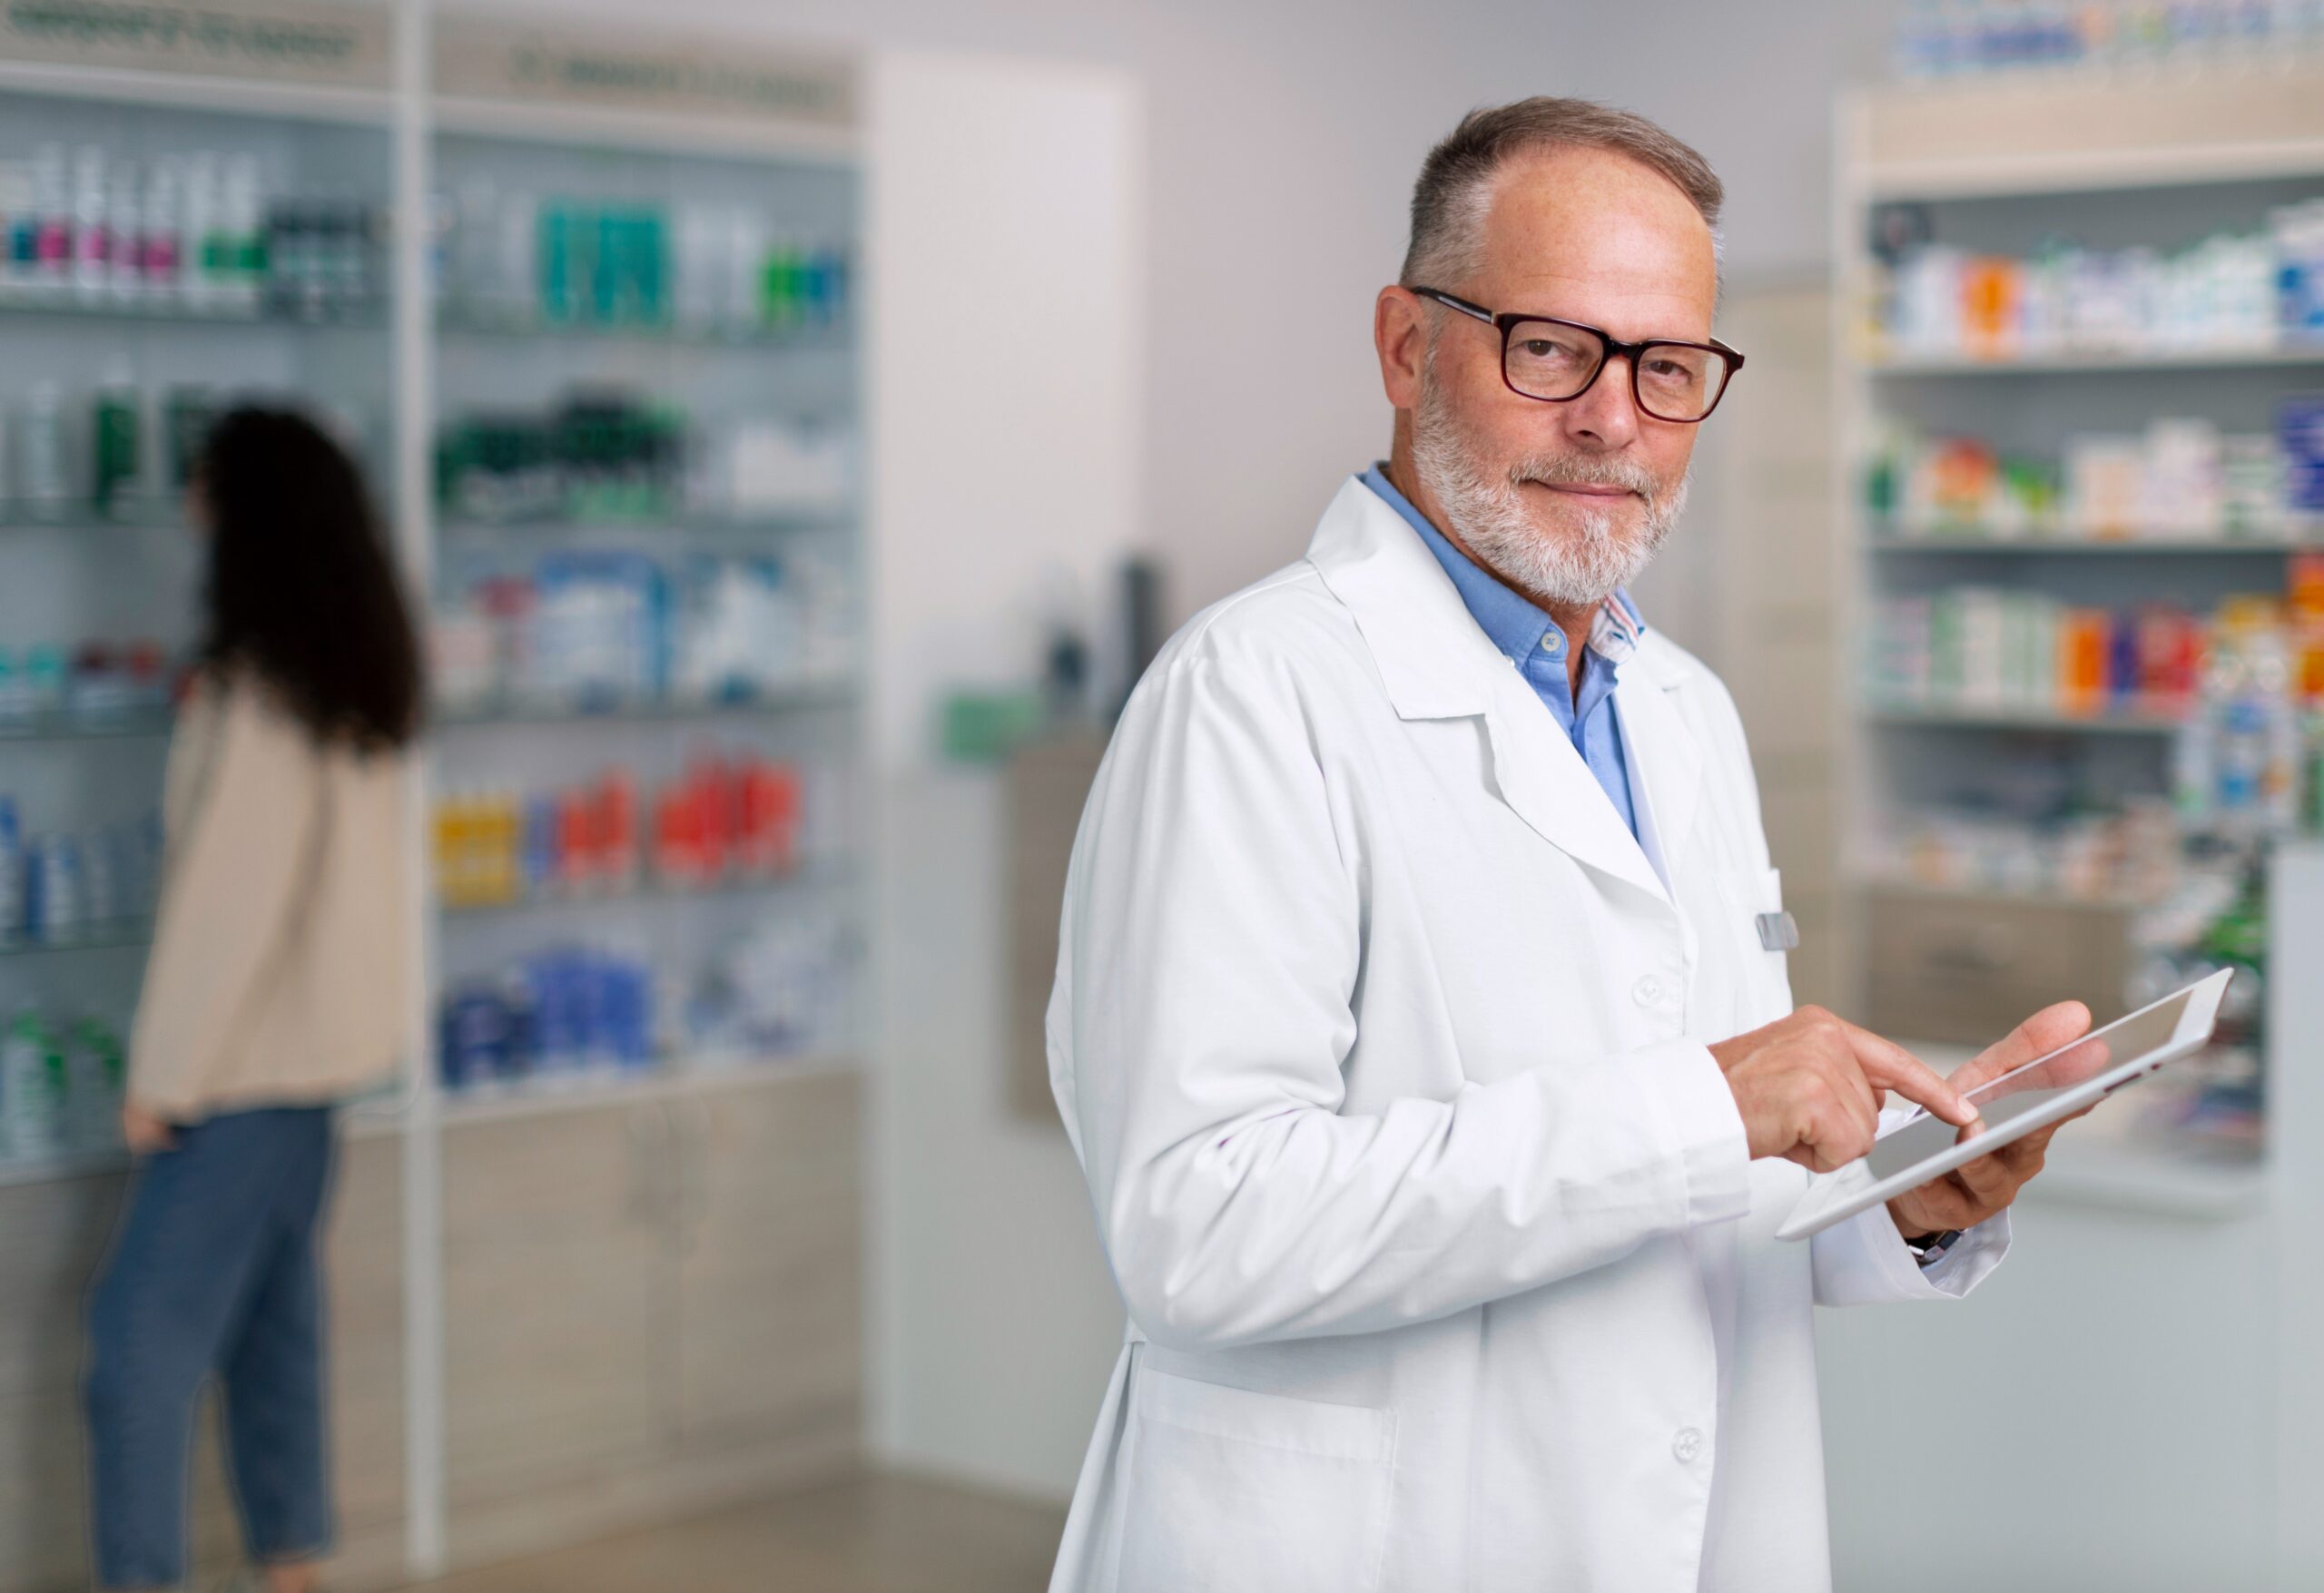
{"x": 1510, "y": 620}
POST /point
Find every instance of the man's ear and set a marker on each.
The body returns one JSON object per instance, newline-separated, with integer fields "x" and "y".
{"x": 1400, "y": 336}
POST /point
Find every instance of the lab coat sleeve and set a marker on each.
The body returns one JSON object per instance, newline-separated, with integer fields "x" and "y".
{"x": 1212, "y": 941}
{"x": 1863, "y": 1262}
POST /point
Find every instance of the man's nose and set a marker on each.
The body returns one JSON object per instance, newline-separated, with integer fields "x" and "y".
{"x": 1606, "y": 416}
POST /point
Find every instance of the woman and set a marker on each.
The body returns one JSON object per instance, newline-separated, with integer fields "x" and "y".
{"x": 280, "y": 981}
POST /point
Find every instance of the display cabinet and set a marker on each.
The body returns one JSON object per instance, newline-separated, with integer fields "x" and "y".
{"x": 585, "y": 307}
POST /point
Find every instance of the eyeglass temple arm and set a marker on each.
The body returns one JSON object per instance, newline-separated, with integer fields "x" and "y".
{"x": 1454, "y": 301}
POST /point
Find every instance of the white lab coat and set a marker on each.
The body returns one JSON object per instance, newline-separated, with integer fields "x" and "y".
{"x": 1381, "y": 1041}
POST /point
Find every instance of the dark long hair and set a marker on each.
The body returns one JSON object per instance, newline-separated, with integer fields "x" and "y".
{"x": 302, "y": 591}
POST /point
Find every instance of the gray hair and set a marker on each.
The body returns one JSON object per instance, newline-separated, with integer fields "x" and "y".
{"x": 1454, "y": 193}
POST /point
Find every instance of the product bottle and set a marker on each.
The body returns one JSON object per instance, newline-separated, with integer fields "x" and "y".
{"x": 60, "y": 895}
{"x": 43, "y": 479}
{"x": 92, "y": 241}
{"x": 244, "y": 266}
{"x": 95, "y": 1077}
{"x": 124, "y": 225}
{"x": 203, "y": 269}
{"x": 16, "y": 217}
{"x": 159, "y": 254}
{"x": 32, "y": 1088}
{"x": 53, "y": 207}
{"x": 11, "y": 873}
{"x": 115, "y": 452}
{"x": 747, "y": 254}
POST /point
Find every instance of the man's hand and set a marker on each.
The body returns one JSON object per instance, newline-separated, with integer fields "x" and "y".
{"x": 1973, "y": 1192}
{"x": 1809, "y": 1087}
{"x": 144, "y": 1133}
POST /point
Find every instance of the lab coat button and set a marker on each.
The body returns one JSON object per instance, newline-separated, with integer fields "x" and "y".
{"x": 1647, "y": 991}
{"x": 1688, "y": 1444}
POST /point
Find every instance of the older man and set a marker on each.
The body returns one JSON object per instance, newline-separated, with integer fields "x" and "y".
{"x": 1421, "y": 1018}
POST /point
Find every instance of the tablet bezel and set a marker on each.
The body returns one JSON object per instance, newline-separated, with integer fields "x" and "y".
{"x": 1827, "y": 1201}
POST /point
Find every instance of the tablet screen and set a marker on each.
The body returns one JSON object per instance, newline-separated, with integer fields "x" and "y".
{"x": 2035, "y": 1085}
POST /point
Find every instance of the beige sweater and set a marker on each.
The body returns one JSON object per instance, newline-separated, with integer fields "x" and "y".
{"x": 283, "y": 969}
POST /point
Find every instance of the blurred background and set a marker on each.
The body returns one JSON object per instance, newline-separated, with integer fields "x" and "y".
{"x": 799, "y": 423}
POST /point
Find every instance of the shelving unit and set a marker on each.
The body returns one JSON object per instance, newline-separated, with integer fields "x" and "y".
{"x": 2094, "y": 364}
{"x": 732, "y": 1225}
{"x": 2153, "y": 160}
{"x": 577, "y": 1092}
{"x": 2177, "y": 1257}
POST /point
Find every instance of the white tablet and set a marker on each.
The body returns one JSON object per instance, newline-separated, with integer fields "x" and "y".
{"x": 1920, "y": 1147}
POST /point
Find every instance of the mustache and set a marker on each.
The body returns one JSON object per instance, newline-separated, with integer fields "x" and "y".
{"x": 1582, "y": 470}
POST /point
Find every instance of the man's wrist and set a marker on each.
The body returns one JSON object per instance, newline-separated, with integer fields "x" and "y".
{"x": 1928, "y": 1249}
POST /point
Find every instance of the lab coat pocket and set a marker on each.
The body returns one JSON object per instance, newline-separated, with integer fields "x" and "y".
{"x": 1230, "y": 1489}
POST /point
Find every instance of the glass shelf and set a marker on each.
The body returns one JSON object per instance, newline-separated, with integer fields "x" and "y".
{"x": 796, "y": 698}
{"x": 147, "y": 722}
{"x": 577, "y": 1089}
{"x": 678, "y": 523}
{"x": 75, "y": 519}
{"x": 1894, "y": 886}
{"x": 807, "y": 876}
{"x": 452, "y": 323}
{"x": 2105, "y": 722}
{"x": 1969, "y": 540}
{"x": 369, "y": 317}
{"x": 2093, "y": 362}
{"x": 105, "y": 937}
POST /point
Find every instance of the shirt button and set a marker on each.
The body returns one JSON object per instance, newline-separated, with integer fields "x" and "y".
{"x": 1549, "y": 643}
{"x": 1688, "y": 1444}
{"x": 1647, "y": 991}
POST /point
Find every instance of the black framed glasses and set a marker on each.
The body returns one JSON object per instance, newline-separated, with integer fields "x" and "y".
{"x": 1556, "y": 360}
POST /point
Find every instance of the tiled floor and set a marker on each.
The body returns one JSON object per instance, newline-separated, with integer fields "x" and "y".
{"x": 877, "y": 1535}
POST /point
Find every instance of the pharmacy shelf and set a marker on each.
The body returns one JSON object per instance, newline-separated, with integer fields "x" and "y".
{"x": 580, "y": 1091}
{"x": 809, "y": 876}
{"x": 79, "y": 515}
{"x": 370, "y": 318}
{"x": 835, "y": 339}
{"x": 2108, "y": 721}
{"x": 799, "y": 699}
{"x": 109, "y": 937}
{"x": 143, "y": 724}
{"x": 48, "y": 1165}
{"x": 1985, "y": 896}
{"x": 1971, "y": 541}
{"x": 2098, "y": 364}
{"x": 677, "y": 524}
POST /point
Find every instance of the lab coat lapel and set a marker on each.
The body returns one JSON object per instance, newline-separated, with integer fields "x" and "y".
{"x": 1436, "y": 664}
{"x": 1656, "y": 739}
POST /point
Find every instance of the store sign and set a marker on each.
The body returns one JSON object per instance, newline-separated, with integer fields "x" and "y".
{"x": 278, "y": 41}
{"x": 501, "y": 61}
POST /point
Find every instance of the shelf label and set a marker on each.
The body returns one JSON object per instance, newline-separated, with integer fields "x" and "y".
{"x": 309, "y": 41}
{"x": 485, "y": 59}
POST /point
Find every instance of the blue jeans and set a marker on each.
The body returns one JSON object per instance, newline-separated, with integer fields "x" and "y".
{"x": 213, "y": 1270}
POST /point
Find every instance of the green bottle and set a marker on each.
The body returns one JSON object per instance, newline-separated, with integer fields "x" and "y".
{"x": 115, "y": 434}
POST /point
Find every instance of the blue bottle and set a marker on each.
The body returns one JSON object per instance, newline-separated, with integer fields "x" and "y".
{"x": 12, "y": 872}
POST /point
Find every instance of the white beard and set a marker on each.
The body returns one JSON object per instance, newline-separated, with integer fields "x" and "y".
{"x": 1579, "y": 566}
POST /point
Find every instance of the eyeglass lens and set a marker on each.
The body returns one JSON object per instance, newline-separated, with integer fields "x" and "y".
{"x": 1544, "y": 360}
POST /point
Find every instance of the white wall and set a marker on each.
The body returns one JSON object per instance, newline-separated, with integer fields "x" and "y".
{"x": 1006, "y": 211}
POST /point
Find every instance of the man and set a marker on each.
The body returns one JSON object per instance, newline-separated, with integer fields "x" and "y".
{"x": 1421, "y": 1018}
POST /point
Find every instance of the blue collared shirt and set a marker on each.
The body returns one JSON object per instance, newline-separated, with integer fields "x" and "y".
{"x": 1534, "y": 642}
